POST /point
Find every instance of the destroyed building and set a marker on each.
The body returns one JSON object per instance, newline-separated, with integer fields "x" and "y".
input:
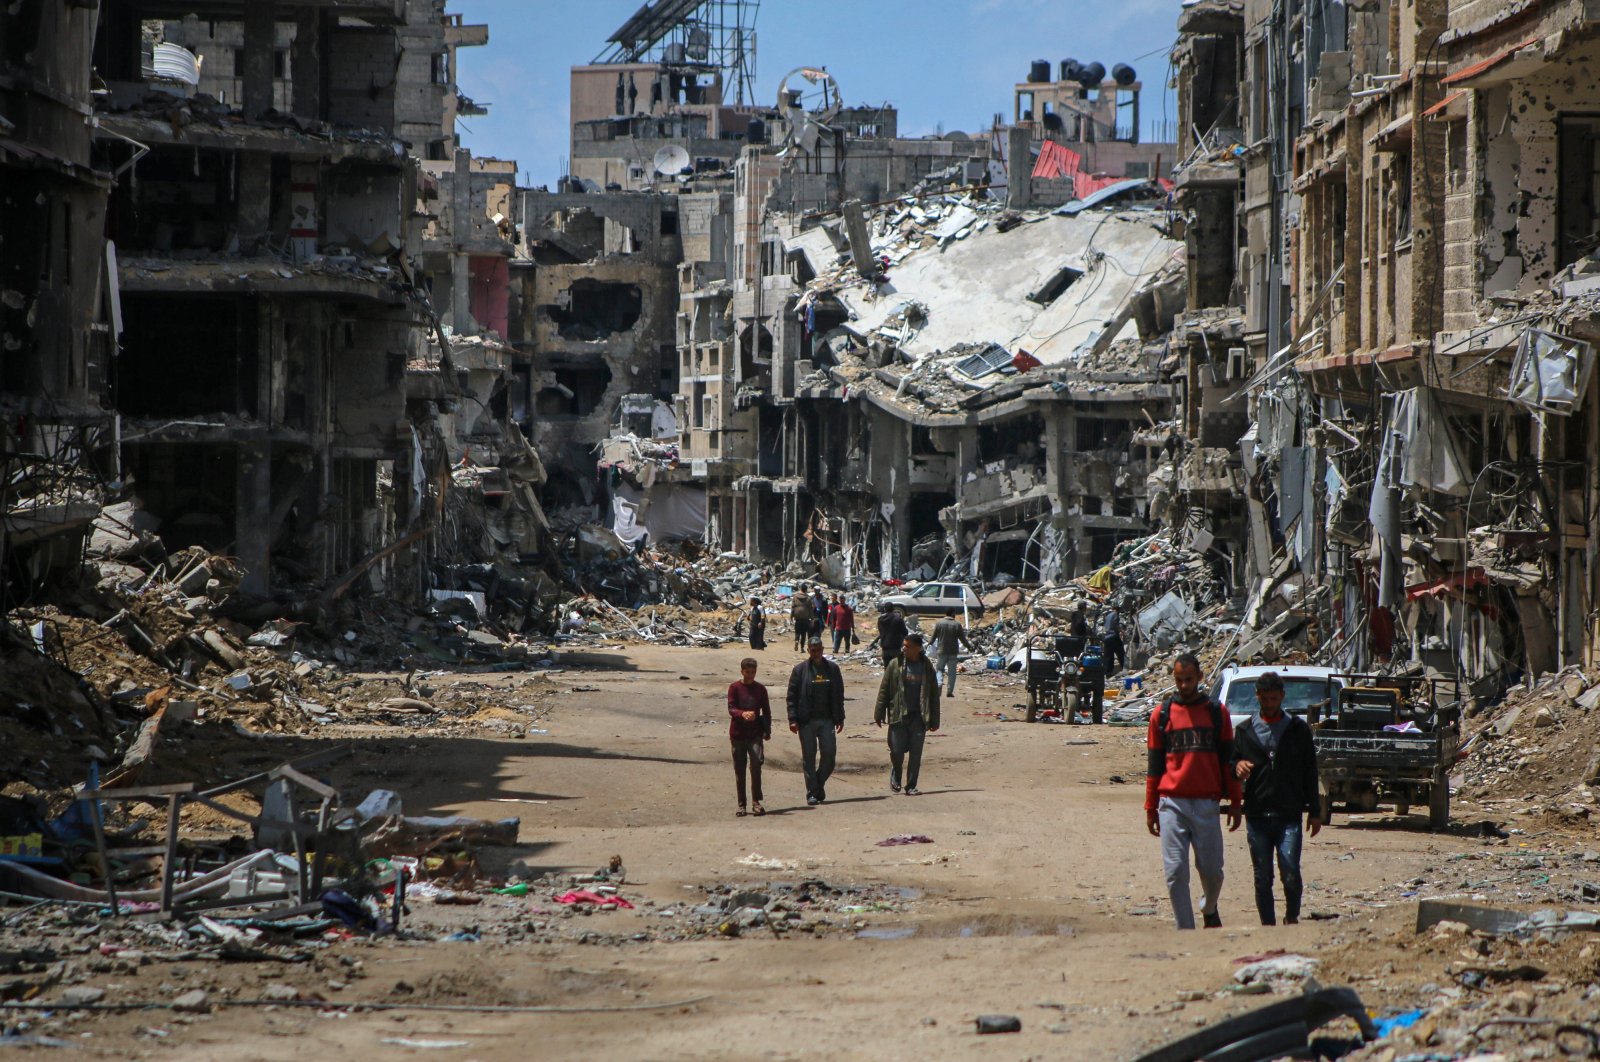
{"x": 847, "y": 353}
{"x": 1389, "y": 242}
{"x": 240, "y": 319}
{"x": 256, "y": 250}
{"x": 58, "y": 302}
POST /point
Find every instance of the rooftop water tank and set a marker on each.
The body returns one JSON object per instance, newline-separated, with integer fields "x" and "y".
{"x": 176, "y": 66}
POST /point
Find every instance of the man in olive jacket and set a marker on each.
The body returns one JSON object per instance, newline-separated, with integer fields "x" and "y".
{"x": 1276, "y": 759}
{"x": 908, "y": 701}
{"x": 816, "y": 713}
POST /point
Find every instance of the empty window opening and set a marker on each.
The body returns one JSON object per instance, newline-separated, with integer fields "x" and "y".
{"x": 596, "y": 309}
{"x": 1102, "y": 433}
{"x": 1012, "y": 553}
{"x": 182, "y": 201}
{"x": 1020, "y": 439}
{"x": 666, "y": 371}
{"x": 923, "y": 514}
{"x": 755, "y": 349}
{"x": 698, "y": 408}
{"x": 576, "y": 391}
{"x": 580, "y": 225}
{"x": 207, "y": 343}
{"x": 1579, "y": 182}
{"x": 190, "y": 489}
{"x": 669, "y": 223}
{"x": 1056, "y": 286}
{"x": 1455, "y": 153}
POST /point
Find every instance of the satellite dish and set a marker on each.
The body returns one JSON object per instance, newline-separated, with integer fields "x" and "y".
{"x": 808, "y": 98}
{"x": 671, "y": 160}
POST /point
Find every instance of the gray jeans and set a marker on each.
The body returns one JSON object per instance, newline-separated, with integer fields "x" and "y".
{"x": 1191, "y": 822}
{"x": 905, "y": 741}
{"x": 817, "y": 748}
{"x": 944, "y": 668}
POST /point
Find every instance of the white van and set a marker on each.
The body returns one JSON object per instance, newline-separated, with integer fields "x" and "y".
{"x": 1303, "y": 686}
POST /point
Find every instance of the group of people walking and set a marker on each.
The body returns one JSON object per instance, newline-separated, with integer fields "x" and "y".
{"x": 811, "y": 612}
{"x": 907, "y": 706}
{"x": 1266, "y": 773}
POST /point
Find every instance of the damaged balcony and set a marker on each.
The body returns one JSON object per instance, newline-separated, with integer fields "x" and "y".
{"x": 1213, "y": 476}
{"x": 1000, "y": 486}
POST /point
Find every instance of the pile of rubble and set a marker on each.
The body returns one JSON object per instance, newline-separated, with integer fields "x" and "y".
{"x": 1482, "y": 982}
{"x": 1539, "y": 750}
{"x": 280, "y": 843}
{"x": 561, "y": 907}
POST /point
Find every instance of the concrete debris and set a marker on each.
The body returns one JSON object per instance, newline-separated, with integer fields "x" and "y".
{"x": 311, "y": 417}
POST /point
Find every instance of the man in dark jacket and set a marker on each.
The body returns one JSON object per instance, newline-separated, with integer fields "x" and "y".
{"x": 1111, "y": 629}
{"x": 749, "y": 726}
{"x": 891, "y": 633}
{"x": 816, "y": 713}
{"x": 1275, "y": 757}
{"x": 908, "y": 701}
{"x": 801, "y": 615}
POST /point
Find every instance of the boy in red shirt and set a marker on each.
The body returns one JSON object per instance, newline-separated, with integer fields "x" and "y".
{"x": 749, "y": 724}
{"x": 1190, "y": 746}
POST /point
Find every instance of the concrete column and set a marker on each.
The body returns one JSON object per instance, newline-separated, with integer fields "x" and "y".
{"x": 1056, "y": 466}
{"x": 1019, "y": 175}
{"x": 260, "y": 41}
{"x": 252, "y": 535}
{"x": 305, "y": 64}
{"x": 255, "y": 199}
{"x": 460, "y": 233}
{"x": 966, "y": 455}
{"x": 855, "y": 228}
{"x": 900, "y": 494}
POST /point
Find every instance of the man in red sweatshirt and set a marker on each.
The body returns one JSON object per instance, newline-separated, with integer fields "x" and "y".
{"x": 1190, "y": 745}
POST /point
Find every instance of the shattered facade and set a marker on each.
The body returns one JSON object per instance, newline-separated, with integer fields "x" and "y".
{"x": 58, "y": 301}
{"x": 1389, "y": 241}
{"x": 258, "y": 268}
{"x": 848, "y": 385}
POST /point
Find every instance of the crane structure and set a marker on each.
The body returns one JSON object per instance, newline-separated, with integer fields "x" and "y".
{"x": 704, "y": 34}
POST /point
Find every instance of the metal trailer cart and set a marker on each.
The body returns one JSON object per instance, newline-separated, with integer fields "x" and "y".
{"x": 1388, "y": 740}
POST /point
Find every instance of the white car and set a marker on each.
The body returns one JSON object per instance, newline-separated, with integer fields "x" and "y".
{"x": 933, "y": 599}
{"x": 1303, "y": 686}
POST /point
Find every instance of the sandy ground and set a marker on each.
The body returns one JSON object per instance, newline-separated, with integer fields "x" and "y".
{"x": 1041, "y": 897}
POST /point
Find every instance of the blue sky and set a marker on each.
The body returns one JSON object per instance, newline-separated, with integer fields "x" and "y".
{"x": 949, "y": 62}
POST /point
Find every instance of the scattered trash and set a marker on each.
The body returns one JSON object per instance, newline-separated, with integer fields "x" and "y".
{"x": 1280, "y": 970}
{"x": 904, "y": 838}
{"x": 998, "y": 1023}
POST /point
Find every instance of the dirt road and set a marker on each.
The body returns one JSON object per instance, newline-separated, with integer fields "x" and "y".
{"x": 1041, "y": 895}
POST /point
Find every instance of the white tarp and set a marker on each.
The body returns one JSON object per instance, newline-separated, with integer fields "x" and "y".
{"x": 1429, "y": 456}
{"x": 665, "y": 511}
